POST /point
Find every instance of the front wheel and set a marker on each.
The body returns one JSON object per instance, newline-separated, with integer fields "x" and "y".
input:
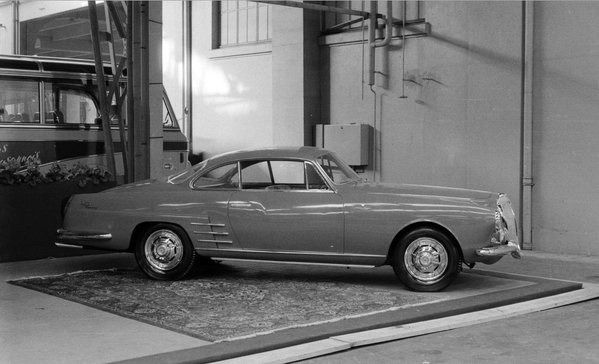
{"x": 426, "y": 260}
{"x": 164, "y": 252}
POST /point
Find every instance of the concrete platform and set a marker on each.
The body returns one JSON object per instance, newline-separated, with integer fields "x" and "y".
{"x": 65, "y": 332}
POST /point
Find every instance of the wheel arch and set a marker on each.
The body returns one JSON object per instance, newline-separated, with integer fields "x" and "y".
{"x": 419, "y": 225}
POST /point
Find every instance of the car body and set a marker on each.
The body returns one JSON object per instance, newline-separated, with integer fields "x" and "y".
{"x": 300, "y": 205}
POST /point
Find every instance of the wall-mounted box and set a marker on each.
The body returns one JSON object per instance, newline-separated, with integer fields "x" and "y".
{"x": 351, "y": 142}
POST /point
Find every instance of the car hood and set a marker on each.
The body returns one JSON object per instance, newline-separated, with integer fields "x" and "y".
{"x": 463, "y": 195}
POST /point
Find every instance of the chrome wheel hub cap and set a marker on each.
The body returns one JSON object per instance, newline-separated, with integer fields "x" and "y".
{"x": 426, "y": 260}
{"x": 163, "y": 250}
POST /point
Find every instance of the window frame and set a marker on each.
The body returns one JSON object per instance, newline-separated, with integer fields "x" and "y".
{"x": 330, "y": 186}
{"x": 217, "y": 41}
{"x": 39, "y": 101}
{"x": 75, "y": 89}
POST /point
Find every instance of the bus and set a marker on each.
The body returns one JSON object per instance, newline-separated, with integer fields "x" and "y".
{"x": 49, "y": 110}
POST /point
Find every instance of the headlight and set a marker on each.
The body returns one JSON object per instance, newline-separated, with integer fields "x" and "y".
{"x": 505, "y": 221}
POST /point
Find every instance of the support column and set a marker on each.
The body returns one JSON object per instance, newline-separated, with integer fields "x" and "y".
{"x": 296, "y": 77}
{"x": 155, "y": 106}
{"x": 145, "y": 89}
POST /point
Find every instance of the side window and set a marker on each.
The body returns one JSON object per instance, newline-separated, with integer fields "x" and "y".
{"x": 332, "y": 169}
{"x": 273, "y": 175}
{"x": 289, "y": 173}
{"x": 255, "y": 175}
{"x": 68, "y": 106}
{"x": 315, "y": 181}
{"x": 222, "y": 177}
{"x": 19, "y": 101}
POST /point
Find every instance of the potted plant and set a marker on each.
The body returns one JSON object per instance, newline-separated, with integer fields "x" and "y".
{"x": 31, "y": 200}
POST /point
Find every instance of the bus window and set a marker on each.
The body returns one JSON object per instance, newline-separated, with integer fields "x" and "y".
{"x": 19, "y": 101}
{"x": 168, "y": 121}
{"x": 69, "y": 106}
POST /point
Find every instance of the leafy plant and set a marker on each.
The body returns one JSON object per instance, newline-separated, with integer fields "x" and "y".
{"x": 8, "y": 171}
{"x": 26, "y": 171}
{"x": 83, "y": 174}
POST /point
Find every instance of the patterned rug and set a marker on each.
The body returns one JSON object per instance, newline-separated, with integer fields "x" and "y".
{"x": 228, "y": 302}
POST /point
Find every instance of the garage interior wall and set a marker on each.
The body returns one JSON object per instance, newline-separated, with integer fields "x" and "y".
{"x": 565, "y": 128}
{"x": 460, "y": 124}
{"x": 172, "y": 54}
{"x": 232, "y": 90}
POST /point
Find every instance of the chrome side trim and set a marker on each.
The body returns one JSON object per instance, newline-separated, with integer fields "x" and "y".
{"x": 61, "y": 245}
{"x": 82, "y": 235}
{"x": 214, "y": 242}
{"x": 294, "y": 262}
{"x": 308, "y": 253}
{"x": 207, "y": 224}
{"x": 211, "y": 233}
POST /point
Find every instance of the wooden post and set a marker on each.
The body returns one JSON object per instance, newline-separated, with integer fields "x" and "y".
{"x": 113, "y": 94}
{"x": 104, "y": 106}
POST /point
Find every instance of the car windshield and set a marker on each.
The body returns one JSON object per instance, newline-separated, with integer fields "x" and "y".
{"x": 337, "y": 170}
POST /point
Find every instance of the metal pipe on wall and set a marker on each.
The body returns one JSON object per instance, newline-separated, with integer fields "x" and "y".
{"x": 373, "y": 44}
{"x": 526, "y": 129}
{"x": 16, "y": 28}
{"x": 388, "y": 27}
{"x": 187, "y": 84}
{"x": 371, "y": 36}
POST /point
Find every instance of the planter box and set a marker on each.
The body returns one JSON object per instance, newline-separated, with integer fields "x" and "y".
{"x": 29, "y": 217}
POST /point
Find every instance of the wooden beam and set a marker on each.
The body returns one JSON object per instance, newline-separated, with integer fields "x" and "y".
{"x": 104, "y": 106}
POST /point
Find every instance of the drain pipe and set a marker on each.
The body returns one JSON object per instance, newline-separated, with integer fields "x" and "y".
{"x": 371, "y": 42}
{"x": 372, "y": 35}
{"x": 388, "y": 26}
{"x": 371, "y": 67}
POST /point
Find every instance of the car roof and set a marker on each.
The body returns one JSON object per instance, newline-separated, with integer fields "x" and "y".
{"x": 306, "y": 153}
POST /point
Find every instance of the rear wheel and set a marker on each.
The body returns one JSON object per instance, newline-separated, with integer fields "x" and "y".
{"x": 426, "y": 260}
{"x": 164, "y": 252}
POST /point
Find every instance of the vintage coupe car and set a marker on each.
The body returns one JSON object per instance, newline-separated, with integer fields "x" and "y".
{"x": 300, "y": 205}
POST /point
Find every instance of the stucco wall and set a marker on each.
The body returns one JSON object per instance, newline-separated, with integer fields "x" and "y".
{"x": 232, "y": 91}
{"x": 461, "y": 127}
{"x": 172, "y": 54}
{"x": 566, "y": 127}
{"x": 6, "y": 29}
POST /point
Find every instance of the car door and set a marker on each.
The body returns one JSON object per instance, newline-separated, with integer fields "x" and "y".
{"x": 285, "y": 207}
{"x": 210, "y": 229}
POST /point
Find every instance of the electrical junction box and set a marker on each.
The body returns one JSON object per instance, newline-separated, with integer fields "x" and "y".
{"x": 351, "y": 142}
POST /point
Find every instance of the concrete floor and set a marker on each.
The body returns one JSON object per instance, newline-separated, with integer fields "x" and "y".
{"x": 567, "y": 334}
{"x": 39, "y": 328}
{"x": 36, "y": 327}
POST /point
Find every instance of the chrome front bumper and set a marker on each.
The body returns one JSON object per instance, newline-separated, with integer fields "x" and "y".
{"x": 500, "y": 250}
{"x": 75, "y": 239}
